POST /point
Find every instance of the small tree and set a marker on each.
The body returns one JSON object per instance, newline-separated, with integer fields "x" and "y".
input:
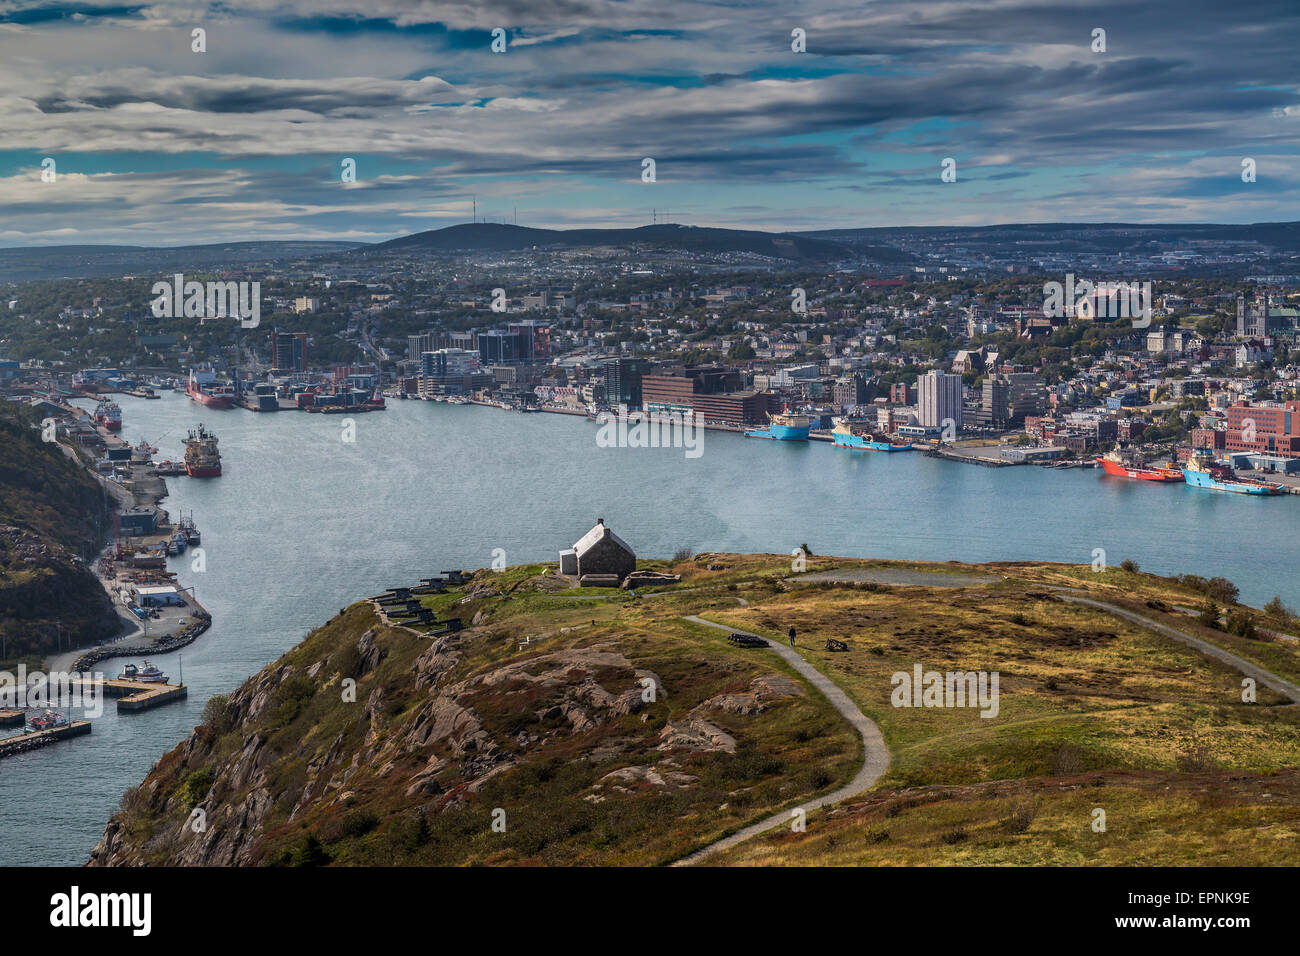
{"x": 1275, "y": 608}
{"x": 1129, "y": 565}
{"x": 1209, "y": 616}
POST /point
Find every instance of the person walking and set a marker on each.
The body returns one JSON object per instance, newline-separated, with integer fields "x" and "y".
{"x": 791, "y": 633}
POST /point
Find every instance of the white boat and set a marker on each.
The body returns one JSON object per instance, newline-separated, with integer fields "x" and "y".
{"x": 147, "y": 674}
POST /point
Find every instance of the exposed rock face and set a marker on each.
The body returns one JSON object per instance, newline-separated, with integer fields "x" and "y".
{"x": 441, "y": 744}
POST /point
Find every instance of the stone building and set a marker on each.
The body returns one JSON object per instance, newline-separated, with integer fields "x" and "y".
{"x": 598, "y": 552}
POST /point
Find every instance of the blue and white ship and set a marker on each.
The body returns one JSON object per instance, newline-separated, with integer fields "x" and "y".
{"x": 1203, "y": 472}
{"x": 845, "y": 435}
{"x": 784, "y": 427}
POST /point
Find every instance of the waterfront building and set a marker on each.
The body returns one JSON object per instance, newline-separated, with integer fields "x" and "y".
{"x": 499, "y": 347}
{"x": 444, "y": 362}
{"x": 288, "y": 352}
{"x": 939, "y": 398}
{"x": 709, "y": 392}
{"x": 623, "y": 378}
{"x": 1272, "y": 429}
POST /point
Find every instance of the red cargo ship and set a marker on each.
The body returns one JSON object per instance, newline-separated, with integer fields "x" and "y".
{"x": 213, "y": 398}
{"x": 109, "y": 415}
{"x": 1115, "y": 465}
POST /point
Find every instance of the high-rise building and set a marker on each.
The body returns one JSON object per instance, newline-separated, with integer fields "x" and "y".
{"x": 288, "y": 351}
{"x": 534, "y": 337}
{"x": 445, "y": 362}
{"x": 623, "y": 381}
{"x": 417, "y": 345}
{"x": 501, "y": 348}
{"x": 939, "y": 399}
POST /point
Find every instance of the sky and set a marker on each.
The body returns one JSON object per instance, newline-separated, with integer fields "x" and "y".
{"x": 155, "y": 143}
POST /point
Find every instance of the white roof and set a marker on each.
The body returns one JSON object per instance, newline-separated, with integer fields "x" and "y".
{"x": 157, "y": 589}
{"x": 597, "y": 533}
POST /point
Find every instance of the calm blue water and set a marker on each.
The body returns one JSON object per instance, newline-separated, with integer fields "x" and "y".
{"x": 302, "y": 523}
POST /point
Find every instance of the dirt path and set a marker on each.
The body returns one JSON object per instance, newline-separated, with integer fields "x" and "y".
{"x": 875, "y": 753}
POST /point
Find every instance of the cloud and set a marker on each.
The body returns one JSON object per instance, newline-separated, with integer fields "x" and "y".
{"x": 251, "y": 132}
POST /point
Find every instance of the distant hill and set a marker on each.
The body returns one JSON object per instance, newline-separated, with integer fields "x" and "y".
{"x": 1102, "y": 236}
{"x": 489, "y": 237}
{"x": 59, "y": 262}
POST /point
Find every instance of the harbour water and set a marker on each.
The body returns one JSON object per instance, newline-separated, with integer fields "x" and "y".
{"x": 302, "y": 523}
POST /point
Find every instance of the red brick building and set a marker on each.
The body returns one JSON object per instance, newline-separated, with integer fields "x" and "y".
{"x": 1264, "y": 429}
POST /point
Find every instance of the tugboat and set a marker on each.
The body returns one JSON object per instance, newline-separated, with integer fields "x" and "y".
{"x": 49, "y": 720}
{"x": 148, "y": 674}
{"x": 1202, "y": 471}
{"x": 202, "y": 460}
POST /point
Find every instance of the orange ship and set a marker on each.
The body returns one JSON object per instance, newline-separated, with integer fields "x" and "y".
{"x": 1117, "y": 466}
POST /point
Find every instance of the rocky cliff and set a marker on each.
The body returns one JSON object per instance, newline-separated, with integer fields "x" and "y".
{"x": 553, "y": 731}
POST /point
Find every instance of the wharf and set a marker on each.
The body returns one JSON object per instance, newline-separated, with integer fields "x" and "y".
{"x": 22, "y": 743}
{"x": 12, "y": 718}
{"x": 141, "y": 695}
{"x": 971, "y": 455}
{"x": 1290, "y": 482}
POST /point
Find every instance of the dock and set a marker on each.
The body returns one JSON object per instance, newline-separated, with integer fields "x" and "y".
{"x": 135, "y": 695}
{"x": 22, "y": 743}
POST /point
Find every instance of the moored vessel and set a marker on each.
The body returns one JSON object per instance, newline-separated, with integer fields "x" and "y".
{"x": 146, "y": 673}
{"x": 1115, "y": 464}
{"x": 109, "y": 415}
{"x": 1202, "y": 471}
{"x": 49, "y": 720}
{"x": 784, "y": 427}
{"x": 212, "y": 397}
{"x": 849, "y": 435}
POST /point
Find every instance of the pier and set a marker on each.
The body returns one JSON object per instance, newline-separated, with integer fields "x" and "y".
{"x": 135, "y": 695}
{"x": 22, "y": 743}
{"x": 12, "y": 718}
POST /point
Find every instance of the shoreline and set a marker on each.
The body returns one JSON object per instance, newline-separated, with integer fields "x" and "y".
{"x": 147, "y": 490}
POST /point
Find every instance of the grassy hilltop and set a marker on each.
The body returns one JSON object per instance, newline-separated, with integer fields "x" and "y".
{"x": 537, "y": 710}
